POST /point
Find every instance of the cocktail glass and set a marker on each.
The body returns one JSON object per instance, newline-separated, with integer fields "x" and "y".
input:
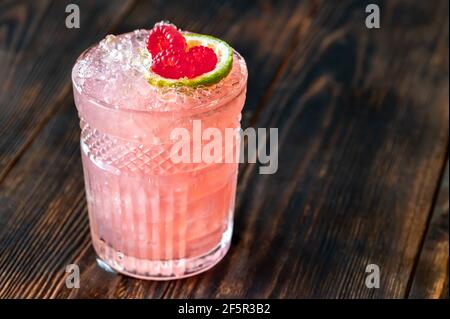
{"x": 150, "y": 217}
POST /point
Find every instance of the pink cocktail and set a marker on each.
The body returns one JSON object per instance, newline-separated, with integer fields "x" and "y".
{"x": 150, "y": 216}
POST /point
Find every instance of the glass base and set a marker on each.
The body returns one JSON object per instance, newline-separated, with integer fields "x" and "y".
{"x": 161, "y": 269}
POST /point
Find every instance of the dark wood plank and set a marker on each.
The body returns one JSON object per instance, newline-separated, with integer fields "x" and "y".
{"x": 36, "y": 53}
{"x": 33, "y": 230}
{"x": 431, "y": 276}
{"x": 281, "y": 20}
{"x": 38, "y": 193}
{"x": 46, "y": 230}
{"x": 363, "y": 120}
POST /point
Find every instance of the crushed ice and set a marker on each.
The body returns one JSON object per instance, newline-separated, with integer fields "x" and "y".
{"x": 115, "y": 73}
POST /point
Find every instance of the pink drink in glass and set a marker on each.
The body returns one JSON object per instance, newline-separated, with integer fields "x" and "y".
{"x": 151, "y": 217}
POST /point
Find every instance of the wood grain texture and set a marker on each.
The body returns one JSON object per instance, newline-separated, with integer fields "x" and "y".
{"x": 37, "y": 52}
{"x": 363, "y": 122}
{"x": 431, "y": 276}
{"x": 43, "y": 223}
{"x": 36, "y": 55}
{"x": 203, "y": 17}
{"x": 66, "y": 121}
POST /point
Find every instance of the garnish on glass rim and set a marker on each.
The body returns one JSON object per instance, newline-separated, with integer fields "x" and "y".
{"x": 186, "y": 59}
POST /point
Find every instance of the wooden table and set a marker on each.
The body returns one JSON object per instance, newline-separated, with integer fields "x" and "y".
{"x": 363, "y": 118}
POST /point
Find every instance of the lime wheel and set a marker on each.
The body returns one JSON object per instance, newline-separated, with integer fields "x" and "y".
{"x": 186, "y": 59}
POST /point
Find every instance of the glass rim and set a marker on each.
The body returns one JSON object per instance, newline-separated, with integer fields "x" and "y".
{"x": 198, "y": 109}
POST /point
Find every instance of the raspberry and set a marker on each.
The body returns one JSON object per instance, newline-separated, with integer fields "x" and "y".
{"x": 170, "y": 64}
{"x": 174, "y": 64}
{"x": 163, "y": 37}
{"x": 201, "y": 60}
{"x": 171, "y": 57}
